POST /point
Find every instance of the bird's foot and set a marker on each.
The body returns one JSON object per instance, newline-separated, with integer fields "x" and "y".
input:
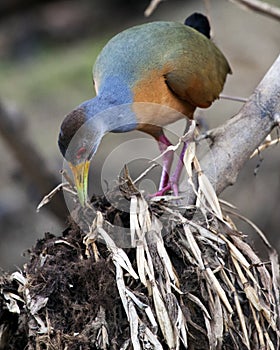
{"x": 171, "y": 186}
{"x": 161, "y": 192}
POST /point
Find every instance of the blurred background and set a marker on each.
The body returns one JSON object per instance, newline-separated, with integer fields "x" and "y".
{"x": 47, "y": 49}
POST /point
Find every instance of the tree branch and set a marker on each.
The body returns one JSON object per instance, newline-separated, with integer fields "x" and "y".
{"x": 151, "y": 7}
{"x": 261, "y": 7}
{"x": 235, "y": 141}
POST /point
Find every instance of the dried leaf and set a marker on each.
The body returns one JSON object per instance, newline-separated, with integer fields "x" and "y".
{"x": 194, "y": 247}
{"x": 189, "y": 158}
{"x": 206, "y": 233}
{"x": 37, "y": 303}
{"x": 259, "y": 330}
{"x": 125, "y": 345}
{"x": 144, "y": 215}
{"x": 144, "y": 307}
{"x": 11, "y": 302}
{"x": 181, "y": 325}
{"x": 163, "y": 319}
{"x": 252, "y": 296}
{"x": 140, "y": 259}
{"x": 18, "y": 276}
{"x": 236, "y": 253}
{"x": 152, "y": 338}
{"x": 134, "y": 324}
{"x": 275, "y": 280}
{"x": 245, "y": 248}
{"x": 238, "y": 309}
{"x": 200, "y": 304}
{"x": 218, "y": 320}
{"x": 121, "y": 287}
{"x": 42, "y": 328}
{"x": 165, "y": 259}
{"x": 209, "y": 193}
{"x": 218, "y": 288}
{"x": 102, "y": 338}
{"x": 119, "y": 255}
{"x": 134, "y": 226}
{"x": 211, "y": 338}
{"x": 270, "y": 344}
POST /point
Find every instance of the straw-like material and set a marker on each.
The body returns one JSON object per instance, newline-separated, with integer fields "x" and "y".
{"x": 188, "y": 281}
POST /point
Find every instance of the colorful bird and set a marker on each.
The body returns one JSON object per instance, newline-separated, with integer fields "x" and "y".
{"x": 140, "y": 70}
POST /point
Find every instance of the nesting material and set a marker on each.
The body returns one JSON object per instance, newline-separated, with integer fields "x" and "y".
{"x": 187, "y": 280}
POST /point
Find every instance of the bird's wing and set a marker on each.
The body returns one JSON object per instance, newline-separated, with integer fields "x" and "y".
{"x": 198, "y": 79}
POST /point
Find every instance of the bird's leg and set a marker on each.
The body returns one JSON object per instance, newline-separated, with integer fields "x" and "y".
{"x": 167, "y": 159}
{"x": 172, "y": 183}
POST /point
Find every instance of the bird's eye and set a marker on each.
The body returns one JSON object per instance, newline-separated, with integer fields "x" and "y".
{"x": 80, "y": 152}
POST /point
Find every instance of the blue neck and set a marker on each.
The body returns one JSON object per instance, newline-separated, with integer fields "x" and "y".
{"x": 111, "y": 109}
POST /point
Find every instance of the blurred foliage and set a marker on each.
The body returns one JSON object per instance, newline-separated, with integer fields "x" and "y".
{"x": 51, "y": 69}
{"x": 8, "y": 6}
{"x": 26, "y": 26}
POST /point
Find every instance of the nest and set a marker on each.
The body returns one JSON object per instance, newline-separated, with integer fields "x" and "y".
{"x": 186, "y": 280}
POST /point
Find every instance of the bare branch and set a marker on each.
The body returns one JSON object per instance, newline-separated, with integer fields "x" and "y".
{"x": 235, "y": 141}
{"x": 261, "y": 7}
{"x": 233, "y": 98}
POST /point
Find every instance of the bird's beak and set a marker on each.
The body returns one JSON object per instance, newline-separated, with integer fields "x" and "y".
{"x": 80, "y": 174}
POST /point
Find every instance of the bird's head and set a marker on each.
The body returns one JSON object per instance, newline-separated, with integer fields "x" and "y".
{"x": 79, "y": 138}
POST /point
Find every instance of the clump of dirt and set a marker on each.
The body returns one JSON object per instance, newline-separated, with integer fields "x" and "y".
{"x": 77, "y": 288}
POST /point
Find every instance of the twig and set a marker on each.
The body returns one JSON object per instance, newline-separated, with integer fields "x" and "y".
{"x": 50, "y": 195}
{"x": 140, "y": 177}
{"x": 233, "y": 98}
{"x": 254, "y": 226}
{"x": 152, "y": 6}
{"x": 265, "y": 145}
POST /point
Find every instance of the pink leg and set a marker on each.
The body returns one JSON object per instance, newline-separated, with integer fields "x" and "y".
{"x": 172, "y": 184}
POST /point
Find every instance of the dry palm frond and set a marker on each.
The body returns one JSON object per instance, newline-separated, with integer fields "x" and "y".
{"x": 236, "y": 301}
{"x": 187, "y": 279}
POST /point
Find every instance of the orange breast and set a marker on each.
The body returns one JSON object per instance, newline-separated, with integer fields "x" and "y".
{"x": 152, "y": 89}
